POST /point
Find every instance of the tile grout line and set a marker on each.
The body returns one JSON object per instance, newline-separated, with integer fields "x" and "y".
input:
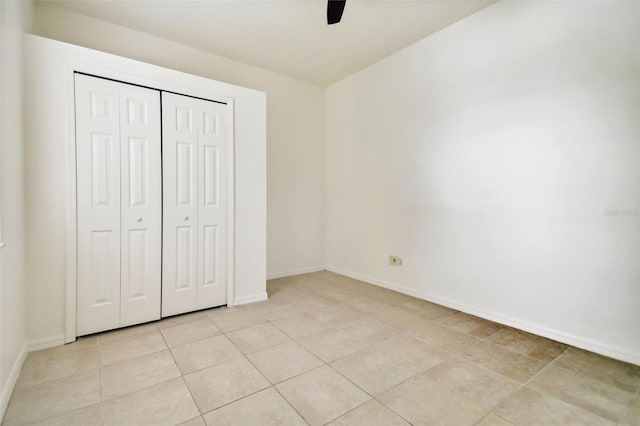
{"x": 192, "y": 372}
{"x": 524, "y": 385}
{"x": 374, "y": 398}
{"x": 99, "y": 353}
{"x": 181, "y": 375}
{"x": 566, "y": 402}
{"x": 272, "y": 385}
{"x": 635, "y": 396}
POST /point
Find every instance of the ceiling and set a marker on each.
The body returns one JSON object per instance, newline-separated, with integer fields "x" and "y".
{"x": 286, "y": 36}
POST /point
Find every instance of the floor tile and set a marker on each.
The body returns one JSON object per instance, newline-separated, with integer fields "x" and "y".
{"x": 321, "y": 395}
{"x": 311, "y": 302}
{"x": 204, "y": 353}
{"x": 133, "y": 330}
{"x": 129, "y": 376}
{"x": 223, "y": 383}
{"x": 632, "y": 416}
{"x": 365, "y": 305}
{"x": 336, "y": 316}
{"x": 300, "y": 325}
{"x": 398, "y": 317}
{"x": 470, "y": 324}
{"x": 493, "y": 420}
{"x": 167, "y": 403}
{"x": 180, "y": 319}
{"x": 330, "y": 345}
{"x": 258, "y": 337}
{"x": 617, "y": 373}
{"x": 230, "y": 319}
{"x": 266, "y": 407}
{"x": 392, "y": 298}
{"x": 275, "y": 310}
{"x": 189, "y": 332}
{"x": 55, "y": 363}
{"x": 323, "y": 275}
{"x": 89, "y": 416}
{"x": 284, "y": 361}
{"x": 420, "y": 400}
{"x": 513, "y": 365}
{"x": 589, "y": 394}
{"x": 528, "y": 344}
{"x": 198, "y": 421}
{"x": 441, "y": 337}
{"x": 474, "y": 383}
{"x": 371, "y": 413}
{"x": 131, "y": 346}
{"x": 427, "y": 309}
{"x": 339, "y": 295}
{"x": 53, "y": 398}
{"x": 287, "y": 294}
{"x": 385, "y": 364}
{"x": 530, "y": 408}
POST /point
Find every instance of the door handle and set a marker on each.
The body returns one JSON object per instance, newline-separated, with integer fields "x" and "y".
{"x": 138, "y": 219}
{"x": 185, "y": 218}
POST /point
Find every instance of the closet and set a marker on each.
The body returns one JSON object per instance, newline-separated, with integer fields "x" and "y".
{"x": 151, "y": 204}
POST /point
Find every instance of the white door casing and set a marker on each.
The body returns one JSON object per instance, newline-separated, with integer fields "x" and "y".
{"x": 118, "y": 204}
{"x": 195, "y": 205}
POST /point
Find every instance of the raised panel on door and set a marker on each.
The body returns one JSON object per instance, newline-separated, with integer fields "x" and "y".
{"x": 141, "y": 195}
{"x": 180, "y": 204}
{"x": 212, "y": 204}
{"x": 98, "y": 204}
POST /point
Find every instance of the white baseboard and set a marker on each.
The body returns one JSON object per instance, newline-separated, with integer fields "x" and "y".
{"x": 291, "y": 272}
{"x": 45, "y": 342}
{"x": 7, "y": 391}
{"x": 550, "y": 333}
{"x": 250, "y": 299}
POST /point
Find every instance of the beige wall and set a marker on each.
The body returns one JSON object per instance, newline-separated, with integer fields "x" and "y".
{"x": 499, "y": 158}
{"x": 295, "y": 126}
{"x": 15, "y": 17}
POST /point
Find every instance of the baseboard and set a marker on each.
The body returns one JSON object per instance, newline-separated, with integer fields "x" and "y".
{"x": 45, "y": 342}
{"x": 7, "y": 391}
{"x": 550, "y": 333}
{"x": 250, "y": 299}
{"x": 291, "y": 272}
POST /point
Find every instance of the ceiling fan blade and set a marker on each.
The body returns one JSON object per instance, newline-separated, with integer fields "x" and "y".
{"x": 334, "y": 11}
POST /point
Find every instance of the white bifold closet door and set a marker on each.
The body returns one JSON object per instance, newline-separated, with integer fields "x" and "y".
{"x": 194, "y": 155}
{"x": 119, "y": 204}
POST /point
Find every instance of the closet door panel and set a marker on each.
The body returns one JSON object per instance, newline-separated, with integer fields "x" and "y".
{"x": 212, "y": 205}
{"x": 98, "y": 195}
{"x": 180, "y": 204}
{"x": 141, "y": 195}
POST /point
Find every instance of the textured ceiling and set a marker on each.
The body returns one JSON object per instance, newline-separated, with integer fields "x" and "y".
{"x": 287, "y": 36}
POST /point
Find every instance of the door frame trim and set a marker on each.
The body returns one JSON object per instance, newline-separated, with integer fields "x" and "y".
{"x": 151, "y": 79}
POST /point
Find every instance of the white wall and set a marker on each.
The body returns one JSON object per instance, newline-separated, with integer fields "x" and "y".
{"x": 295, "y": 126}
{"x": 14, "y": 19}
{"x": 49, "y": 141}
{"x": 500, "y": 158}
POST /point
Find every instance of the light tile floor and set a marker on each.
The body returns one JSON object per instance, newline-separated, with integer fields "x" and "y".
{"x": 324, "y": 349}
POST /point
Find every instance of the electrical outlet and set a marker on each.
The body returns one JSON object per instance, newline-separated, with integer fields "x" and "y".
{"x": 395, "y": 260}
